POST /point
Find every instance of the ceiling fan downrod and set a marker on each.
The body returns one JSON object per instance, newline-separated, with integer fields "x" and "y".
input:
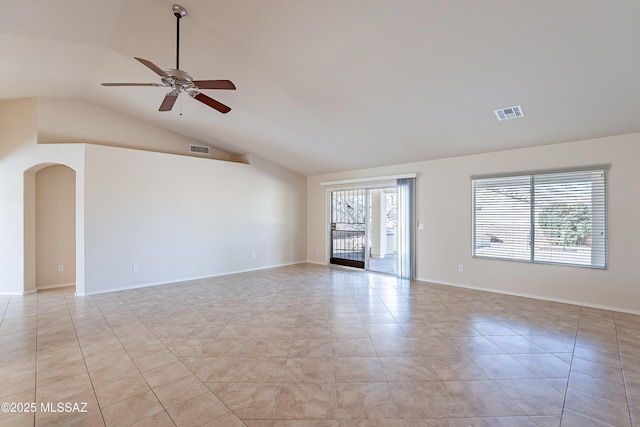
{"x": 179, "y": 81}
{"x": 178, "y": 12}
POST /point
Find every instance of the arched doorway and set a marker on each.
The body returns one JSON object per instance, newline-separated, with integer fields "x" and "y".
{"x": 55, "y": 227}
{"x": 50, "y": 227}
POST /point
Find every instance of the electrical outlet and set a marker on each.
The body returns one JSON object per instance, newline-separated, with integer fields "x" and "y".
{"x": 60, "y": 267}
{"x": 253, "y": 255}
{"x": 460, "y": 268}
{"x": 136, "y": 268}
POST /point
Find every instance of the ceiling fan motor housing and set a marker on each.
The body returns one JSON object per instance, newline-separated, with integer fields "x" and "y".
{"x": 178, "y": 79}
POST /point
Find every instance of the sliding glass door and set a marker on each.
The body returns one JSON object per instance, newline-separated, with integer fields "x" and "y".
{"x": 372, "y": 228}
{"x": 381, "y": 236}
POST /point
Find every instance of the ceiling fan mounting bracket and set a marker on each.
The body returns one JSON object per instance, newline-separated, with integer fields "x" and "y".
{"x": 179, "y": 11}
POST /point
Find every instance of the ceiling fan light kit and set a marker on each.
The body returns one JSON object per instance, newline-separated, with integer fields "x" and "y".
{"x": 180, "y": 81}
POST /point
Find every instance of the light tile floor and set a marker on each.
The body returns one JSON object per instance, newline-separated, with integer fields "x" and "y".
{"x": 307, "y": 346}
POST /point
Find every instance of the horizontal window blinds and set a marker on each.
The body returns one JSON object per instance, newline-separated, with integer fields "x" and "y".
{"x": 557, "y": 218}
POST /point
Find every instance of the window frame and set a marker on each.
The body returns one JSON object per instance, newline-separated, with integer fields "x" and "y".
{"x": 532, "y": 219}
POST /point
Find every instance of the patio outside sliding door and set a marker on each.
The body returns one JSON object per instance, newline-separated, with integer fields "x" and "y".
{"x": 348, "y": 227}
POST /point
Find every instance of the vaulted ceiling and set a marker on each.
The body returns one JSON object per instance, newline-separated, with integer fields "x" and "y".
{"x": 333, "y": 85}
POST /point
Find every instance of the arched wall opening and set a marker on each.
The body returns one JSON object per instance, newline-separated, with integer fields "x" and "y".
{"x": 52, "y": 257}
{"x": 55, "y": 227}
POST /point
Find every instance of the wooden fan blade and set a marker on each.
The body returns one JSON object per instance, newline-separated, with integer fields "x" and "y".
{"x": 214, "y": 84}
{"x": 130, "y": 84}
{"x": 153, "y": 67}
{"x": 212, "y": 103}
{"x": 167, "y": 103}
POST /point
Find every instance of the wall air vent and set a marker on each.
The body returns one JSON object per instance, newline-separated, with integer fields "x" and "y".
{"x": 509, "y": 113}
{"x": 199, "y": 149}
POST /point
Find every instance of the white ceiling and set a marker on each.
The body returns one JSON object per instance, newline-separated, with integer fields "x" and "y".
{"x": 333, "y": 85}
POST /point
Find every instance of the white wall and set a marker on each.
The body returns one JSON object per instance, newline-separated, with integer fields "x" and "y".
{"x": 179, "y": 218}
{"x": 443, "y": 192}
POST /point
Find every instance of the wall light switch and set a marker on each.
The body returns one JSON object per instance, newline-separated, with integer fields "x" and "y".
{"x": 60, "y": 267}
{"x": 420, "y": 226}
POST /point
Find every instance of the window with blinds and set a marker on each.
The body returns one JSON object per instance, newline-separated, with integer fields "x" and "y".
{"x": 551, "y": 217}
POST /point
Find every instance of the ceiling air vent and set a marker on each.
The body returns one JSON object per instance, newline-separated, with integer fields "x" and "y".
{"x": 199, "y": 149}
{"x": 509, "y": 113}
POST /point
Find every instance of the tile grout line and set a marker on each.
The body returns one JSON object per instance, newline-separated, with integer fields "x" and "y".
{"x": 493, "y": 381}
{"x": 35, "y": 377}
{"x": 183, "y": 364}
{"x": 599, "y": 363}
{"x": 141, "y": 374}
{"x": 84, "y": 360}
{"x": 573, "y": 351}
{"x": 4, "y": 312}
{"x": 256, "y": 304}
{"x": 624, "y": 375}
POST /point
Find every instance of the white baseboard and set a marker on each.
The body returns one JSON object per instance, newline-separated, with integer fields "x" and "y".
{"x": 59, "y": 285}
{"x": 458, "y": 285}
{"x": 182, "y": 280}
{"x": 39, "y": 288}
{"x": 538, "y": 297}
{"x": 17, "y": 293}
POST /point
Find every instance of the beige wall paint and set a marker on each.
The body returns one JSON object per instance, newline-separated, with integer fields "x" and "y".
{"x": 443, "y": 192}
{"x": 180, "y": 218}
{"x": 78, "y": 121}
{"x": 55, "y": 226}
{"x": 18, "y": 128}
{"x": 177, "y": 217}
{"x": 20, "y": 158}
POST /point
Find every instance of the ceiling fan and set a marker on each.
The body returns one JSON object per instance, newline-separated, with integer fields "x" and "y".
{"x": 179, "y": 81}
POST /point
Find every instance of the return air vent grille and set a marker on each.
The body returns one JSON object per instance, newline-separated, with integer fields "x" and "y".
{"x": 199, "y": 149}
{"x": 509, "y": 113}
